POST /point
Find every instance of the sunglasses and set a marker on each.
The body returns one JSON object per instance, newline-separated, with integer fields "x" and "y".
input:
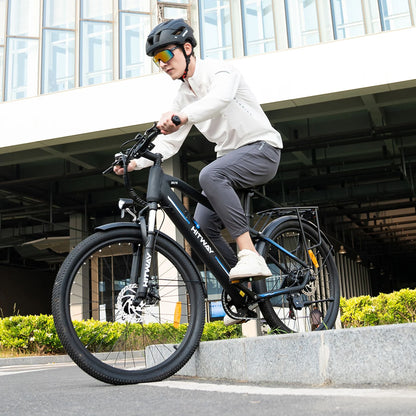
{"x": 164, "y": 56}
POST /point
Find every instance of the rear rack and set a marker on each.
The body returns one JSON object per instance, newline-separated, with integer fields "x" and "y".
{"x": 302, "y": 214}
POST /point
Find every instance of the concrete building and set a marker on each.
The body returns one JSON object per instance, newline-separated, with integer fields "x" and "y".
{"x": 336, "y": 77}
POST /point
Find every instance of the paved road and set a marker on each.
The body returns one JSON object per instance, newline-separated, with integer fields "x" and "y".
{"x": 63, "y": 389}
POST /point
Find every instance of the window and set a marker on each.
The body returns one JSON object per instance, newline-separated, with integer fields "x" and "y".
{"x": 96, "y": 35}
{"x": 1, "y": 71}
{"x": 22, "y": 49}
{"x": 394, "y": 14}
{"x": 173, "y": 9}
{"x": 58, "y": 63}
{"x": 2, "y": 42}
{"x": 134, "y": 28}
{"x": 215, "y": 26}
{"x": 2, "y": 20}
{"x": 347, "y": 16}
{"x": 58, "y": 48}
{"x": 21, "y": 68}
{"x": 258, "y": 26}
{"x": 373, "y": 17}
{"x": 97, "y": 9}
{"x": 135, "y": 5}
{"x": 24, "y": 18}
{"x": 59, "y": 14}
{"x": 302, "y": 22}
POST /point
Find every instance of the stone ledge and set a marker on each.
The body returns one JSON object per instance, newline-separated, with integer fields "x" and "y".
{"x": 380, "y": 355}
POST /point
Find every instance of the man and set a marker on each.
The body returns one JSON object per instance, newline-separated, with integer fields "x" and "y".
{"x": 215, "y": 98}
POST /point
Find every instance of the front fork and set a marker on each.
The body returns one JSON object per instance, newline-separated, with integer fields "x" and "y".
{"x": 145, "y": 254}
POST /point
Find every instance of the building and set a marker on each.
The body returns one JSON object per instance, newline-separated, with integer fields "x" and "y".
{"x": 336, "y": 77}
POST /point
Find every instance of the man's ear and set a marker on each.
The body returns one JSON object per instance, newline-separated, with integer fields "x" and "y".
{"x": 188, "y": 48}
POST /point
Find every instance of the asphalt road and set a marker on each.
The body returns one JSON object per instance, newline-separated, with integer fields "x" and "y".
{"x": 63, "y": 389}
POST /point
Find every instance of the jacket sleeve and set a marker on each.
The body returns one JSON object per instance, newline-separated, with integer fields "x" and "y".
{"x": 222, "y": 90}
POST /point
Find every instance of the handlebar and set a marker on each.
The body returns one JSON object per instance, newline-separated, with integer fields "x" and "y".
{"x": 142, "y": 144}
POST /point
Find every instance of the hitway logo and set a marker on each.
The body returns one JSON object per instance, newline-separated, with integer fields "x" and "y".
{"x": 202, "y": 240}
{"x": 147, "y": 269}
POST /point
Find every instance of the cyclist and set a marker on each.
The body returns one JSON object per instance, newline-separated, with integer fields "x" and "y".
{"x": 215, "y": 98}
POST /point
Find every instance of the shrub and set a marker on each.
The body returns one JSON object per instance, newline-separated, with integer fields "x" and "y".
{"x": 394, "y": 308}
{"x": 29, "y": 334}
{"x": 37, "y": 334}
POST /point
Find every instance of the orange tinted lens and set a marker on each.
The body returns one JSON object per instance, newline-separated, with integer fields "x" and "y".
{"x": 163, "y": 56}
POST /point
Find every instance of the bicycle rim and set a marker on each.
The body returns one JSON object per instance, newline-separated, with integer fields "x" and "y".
{"x": 320, "y": 299}
{"x": 104, "y": 332}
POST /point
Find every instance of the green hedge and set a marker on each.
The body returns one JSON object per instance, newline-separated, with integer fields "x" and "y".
{"x": 37, "y": 335}
{"x": 393, "y": 308}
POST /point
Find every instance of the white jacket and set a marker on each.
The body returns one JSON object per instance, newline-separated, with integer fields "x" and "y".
{"x": 219, "y": 103}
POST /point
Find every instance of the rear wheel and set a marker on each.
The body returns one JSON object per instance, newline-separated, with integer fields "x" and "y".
{"x": 98, "y": 323}
{"x": 316, "y": 306}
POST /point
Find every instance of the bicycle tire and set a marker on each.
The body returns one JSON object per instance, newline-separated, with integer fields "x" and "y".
{"x": 131, "y": 349}
{"x": 276, "y": 311}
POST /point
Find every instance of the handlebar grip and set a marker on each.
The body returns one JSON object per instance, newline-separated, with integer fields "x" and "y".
{"x": 176, "y": 120}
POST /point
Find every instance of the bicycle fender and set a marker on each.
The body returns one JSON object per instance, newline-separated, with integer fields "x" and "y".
{"x": 276, "y": 222}
{"x": 120, "y": 224}
{"x": 113, "y": 225}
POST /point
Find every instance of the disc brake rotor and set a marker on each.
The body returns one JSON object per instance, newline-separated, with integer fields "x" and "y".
{"x": 126, "y": 311}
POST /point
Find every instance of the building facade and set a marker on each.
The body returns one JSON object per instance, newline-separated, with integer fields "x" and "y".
{"x": 336, "y": 77}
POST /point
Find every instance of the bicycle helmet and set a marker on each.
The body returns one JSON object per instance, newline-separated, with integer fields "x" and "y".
{"x": 171, "y": 32}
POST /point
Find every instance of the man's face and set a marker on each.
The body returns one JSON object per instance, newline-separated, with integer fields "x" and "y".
{"x": 174, "y": 67}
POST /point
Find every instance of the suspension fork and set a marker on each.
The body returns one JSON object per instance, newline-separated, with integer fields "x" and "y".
{"x": 148, "y": 236}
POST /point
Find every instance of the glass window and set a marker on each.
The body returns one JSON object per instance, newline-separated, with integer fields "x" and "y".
{"x": 24, "y": 18}
{"x": 2, "y": 20}
{"x": 58, "y": 69}
{"x": 258, "y": 26}
{"x": 302, "y": 22}
{"x": 215, "y": 26}
{"x": 59, "y": 14}
{"x": 97, "y": 9}
{"x": 135, "y": 5}
{"x": 175, "y": 13}
{"x": 394, "y": 14}
{"x": 96, "y": 52}
{"x": 1, "y": 71}
{"x": 22, "y": 68}
{"x": 374, "y": 16}
{"x": 347, "y": 16}
{"x": 174, "y": 1}
{"x": 134, "y": 28}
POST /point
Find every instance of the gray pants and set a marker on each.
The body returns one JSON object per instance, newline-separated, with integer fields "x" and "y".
{"x": 248, "y": 166}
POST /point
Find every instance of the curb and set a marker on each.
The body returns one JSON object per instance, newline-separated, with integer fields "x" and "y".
{"x": 35, "y": 360}
{"x": 381, "y": 355}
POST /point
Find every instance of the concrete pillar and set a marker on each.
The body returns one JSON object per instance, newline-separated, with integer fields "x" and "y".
{"x": 80, "y": 309}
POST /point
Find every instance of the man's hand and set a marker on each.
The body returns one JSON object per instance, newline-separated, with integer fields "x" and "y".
{"x": 166, "y": 125}
{"x": 119, "y": 170}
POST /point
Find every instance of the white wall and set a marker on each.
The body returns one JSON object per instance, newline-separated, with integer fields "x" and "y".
{"x": 288, "y": 78}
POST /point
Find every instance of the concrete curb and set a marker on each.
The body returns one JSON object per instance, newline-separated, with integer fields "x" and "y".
{"x": 35, "y": 360}
{"x": 380, "y": 355}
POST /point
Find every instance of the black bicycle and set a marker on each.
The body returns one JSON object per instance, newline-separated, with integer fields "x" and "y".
{"x": 149, "y": 323}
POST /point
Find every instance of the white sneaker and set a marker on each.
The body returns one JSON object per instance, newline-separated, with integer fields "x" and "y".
{"x": 250, "y": 264}
{"x": 231, "y": 321}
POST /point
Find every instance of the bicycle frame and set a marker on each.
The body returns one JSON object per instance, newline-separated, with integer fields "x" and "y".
{"x": 160, "y": 192}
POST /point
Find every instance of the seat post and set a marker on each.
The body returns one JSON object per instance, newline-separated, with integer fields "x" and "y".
{"x": 247, "y": 195}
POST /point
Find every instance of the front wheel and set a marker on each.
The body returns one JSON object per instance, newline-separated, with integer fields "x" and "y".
{"x": 316, "y": 306}
{"x": 100, "y": 325}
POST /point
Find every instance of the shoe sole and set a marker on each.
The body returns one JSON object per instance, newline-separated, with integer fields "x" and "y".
{"x": 235, "y": 322}
{"x": 238, "y": 279}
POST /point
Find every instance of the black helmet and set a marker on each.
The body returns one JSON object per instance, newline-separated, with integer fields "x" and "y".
{"x": 174, "y": 31}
